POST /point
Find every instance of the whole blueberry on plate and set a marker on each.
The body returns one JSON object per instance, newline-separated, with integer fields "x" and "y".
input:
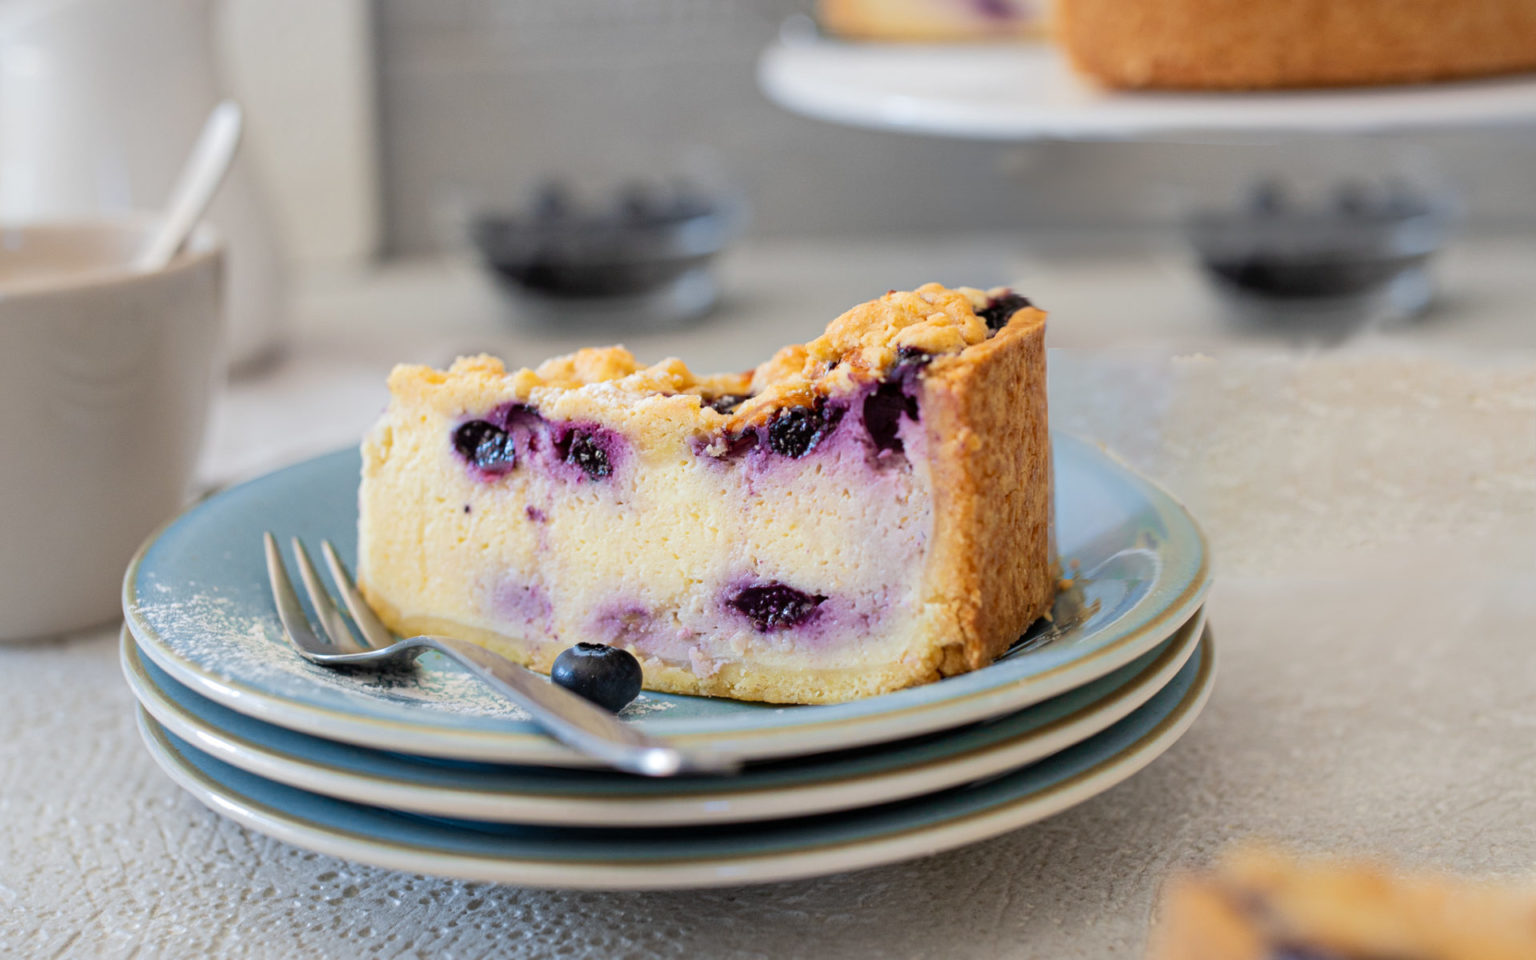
{"x": 607, "y": 676}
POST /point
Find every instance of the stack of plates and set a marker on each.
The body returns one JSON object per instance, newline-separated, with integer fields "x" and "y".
{"x": 428, "y": 772}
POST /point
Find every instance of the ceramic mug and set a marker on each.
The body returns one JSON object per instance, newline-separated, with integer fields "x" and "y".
{"x": 106, "y": 374}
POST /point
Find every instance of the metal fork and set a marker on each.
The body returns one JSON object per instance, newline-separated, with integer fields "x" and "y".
{"x": 574, "y": 721}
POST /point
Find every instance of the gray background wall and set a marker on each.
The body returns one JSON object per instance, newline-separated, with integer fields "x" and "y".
{"x": 480, "y": 98}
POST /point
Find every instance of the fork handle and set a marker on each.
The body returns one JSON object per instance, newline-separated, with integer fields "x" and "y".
{"x": 574, "y": 720}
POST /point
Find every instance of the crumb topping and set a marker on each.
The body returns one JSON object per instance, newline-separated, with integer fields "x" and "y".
{"x": 859, "y": 347}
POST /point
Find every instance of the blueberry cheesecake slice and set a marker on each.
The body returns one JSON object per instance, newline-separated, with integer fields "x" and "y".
{"x": 1261, "y": 904}
{"x": 864, "y": 512}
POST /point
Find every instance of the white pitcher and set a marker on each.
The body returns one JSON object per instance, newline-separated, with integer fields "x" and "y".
{"x": 99, "y": 102}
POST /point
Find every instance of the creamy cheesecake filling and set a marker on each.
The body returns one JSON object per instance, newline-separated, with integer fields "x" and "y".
{"x": 685, "y": 552}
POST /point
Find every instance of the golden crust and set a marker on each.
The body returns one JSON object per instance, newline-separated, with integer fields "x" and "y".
{"x": 1259, "y": 900}
{"x": 992, "y": 548}
{"x": 1222, "y": 44}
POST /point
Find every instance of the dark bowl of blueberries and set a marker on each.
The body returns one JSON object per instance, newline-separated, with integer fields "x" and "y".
{"x": 1324, "y": 266}
{"x": 638, "y": 255}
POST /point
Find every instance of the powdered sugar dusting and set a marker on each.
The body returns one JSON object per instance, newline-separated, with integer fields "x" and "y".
{"x": 218, "y": 633}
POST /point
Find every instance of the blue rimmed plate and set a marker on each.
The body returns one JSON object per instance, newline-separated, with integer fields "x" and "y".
{"x": 693, "y": 856}
{"x": 521, "y": 794}
{"x": 196, "y": 601}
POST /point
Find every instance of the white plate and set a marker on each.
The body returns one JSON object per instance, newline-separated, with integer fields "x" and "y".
{"x": 1028, "y": 91}
{"x": 516, "y": 794}
{"x": 694, "y": 856}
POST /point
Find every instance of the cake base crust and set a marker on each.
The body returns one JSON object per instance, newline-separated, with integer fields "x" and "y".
{"x": 1228, "y": 45}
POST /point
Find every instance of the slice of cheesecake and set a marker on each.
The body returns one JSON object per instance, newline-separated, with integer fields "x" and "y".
{"x": 864, "y": 512}
{"x": 1262, "y": 904}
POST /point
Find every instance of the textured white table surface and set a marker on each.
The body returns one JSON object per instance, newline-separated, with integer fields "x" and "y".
{"x": 1373, "y": 513}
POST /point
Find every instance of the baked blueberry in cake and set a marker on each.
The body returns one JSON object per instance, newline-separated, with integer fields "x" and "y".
{"x": 1260, "y": 904}
{"x": 861, "y": 513}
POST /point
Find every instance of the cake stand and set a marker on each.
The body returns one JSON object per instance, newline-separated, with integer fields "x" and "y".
{"x": 1028, "y": 92}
